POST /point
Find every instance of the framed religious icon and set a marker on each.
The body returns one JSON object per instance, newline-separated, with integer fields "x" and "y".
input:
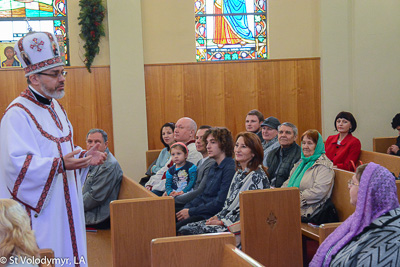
{"x": 8, "y": 58}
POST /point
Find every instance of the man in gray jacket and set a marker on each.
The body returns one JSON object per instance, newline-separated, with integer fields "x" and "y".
{"x": 203, "y": 166}
{"x": 102, "y": 183}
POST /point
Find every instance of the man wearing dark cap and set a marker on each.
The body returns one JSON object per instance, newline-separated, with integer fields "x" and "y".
{"x": 40, "y": 167}
{"x": 269, "y": 129}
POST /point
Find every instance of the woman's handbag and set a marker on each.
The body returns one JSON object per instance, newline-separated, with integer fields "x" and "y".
{"x": 326, "y": 213}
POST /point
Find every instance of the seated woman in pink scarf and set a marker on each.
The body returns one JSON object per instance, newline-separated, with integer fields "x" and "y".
{"x": 371, "y": 235}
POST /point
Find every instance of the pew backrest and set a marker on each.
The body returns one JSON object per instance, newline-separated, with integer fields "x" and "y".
{"x": 340, "y": 194}
{"x": 134, "y": 223}
{"x": 198, "y": 251}
{"x": 391, "y": 162}
{"x": 270, "y": 226}
{"x": 151, "y": 156}
{"x": 131, "y": 189}
{"x": 381, "y": 144}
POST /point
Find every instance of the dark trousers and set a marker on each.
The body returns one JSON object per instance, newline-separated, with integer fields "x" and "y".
{"x": 188, "y": 220}
{"x": 102, "y": 225}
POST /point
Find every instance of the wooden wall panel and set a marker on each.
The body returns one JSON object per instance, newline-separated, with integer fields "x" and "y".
{"x": 220, "y": 94}
{"x": 87, "y": 99}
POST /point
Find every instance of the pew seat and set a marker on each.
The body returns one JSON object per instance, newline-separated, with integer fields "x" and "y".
{"x": 199, "y": 250}
{"x": 381, "y": 144}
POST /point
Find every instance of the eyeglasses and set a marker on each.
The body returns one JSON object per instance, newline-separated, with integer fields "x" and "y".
{"x": 55, "y": 75}
{"x": 351, "y": 183}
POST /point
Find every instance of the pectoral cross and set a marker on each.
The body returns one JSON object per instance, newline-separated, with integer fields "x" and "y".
{"x": 29, "y": 26}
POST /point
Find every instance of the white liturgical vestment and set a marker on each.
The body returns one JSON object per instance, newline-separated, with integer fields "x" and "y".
{"x": 33, "y": 138}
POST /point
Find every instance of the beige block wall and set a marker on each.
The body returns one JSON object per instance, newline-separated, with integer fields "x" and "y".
{"x": 168, "y": 30}
{"x": 360, "y": 65}
{"x": 76, "y": 43}
{"x": 127, "y": 86}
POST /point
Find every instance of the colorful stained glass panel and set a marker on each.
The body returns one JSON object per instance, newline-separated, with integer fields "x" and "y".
{"x": 230, "y": 29}
{"x": 43, "y": 15}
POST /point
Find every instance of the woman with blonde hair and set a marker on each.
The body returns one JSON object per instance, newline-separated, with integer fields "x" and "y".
{"x": 17, "y": 240}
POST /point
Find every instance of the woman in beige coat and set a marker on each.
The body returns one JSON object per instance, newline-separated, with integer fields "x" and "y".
{"x": 313, "y": 174}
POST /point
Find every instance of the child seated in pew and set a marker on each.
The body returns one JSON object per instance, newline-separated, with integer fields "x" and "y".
{"x": 181, "y": 177}
{"x": 250, "y": 175}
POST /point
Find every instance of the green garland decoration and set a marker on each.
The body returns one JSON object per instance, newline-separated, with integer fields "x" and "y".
{"x": 91, "y": 20}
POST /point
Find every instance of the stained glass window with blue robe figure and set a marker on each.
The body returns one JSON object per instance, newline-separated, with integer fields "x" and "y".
{"x": 230, "y": 29}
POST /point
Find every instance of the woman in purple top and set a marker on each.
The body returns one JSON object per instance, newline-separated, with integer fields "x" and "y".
{"x": 371, "y": 235}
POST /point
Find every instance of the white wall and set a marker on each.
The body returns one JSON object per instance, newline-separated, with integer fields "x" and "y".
{"x": 360, "y": 55}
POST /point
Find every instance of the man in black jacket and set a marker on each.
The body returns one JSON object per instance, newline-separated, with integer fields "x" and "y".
{"x": 282, "y": 159}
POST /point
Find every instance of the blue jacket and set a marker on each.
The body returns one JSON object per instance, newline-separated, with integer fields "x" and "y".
{"x": 211, "y": 201}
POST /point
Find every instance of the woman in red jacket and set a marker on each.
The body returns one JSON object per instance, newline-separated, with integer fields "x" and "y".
{"x": 343, "y": 147}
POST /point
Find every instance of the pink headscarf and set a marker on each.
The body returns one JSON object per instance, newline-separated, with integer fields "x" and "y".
{"x": 377, "y": 195}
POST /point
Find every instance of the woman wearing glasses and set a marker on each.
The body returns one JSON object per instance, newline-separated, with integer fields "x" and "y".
{"x": 371, "y": 235}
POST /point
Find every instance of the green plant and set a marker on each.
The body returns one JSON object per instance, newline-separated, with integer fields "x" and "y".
{"x": 91, "y": 20}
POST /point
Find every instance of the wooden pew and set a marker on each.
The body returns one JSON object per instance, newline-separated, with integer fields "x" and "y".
{"x": 48, "y": 254}
{"x": 381, "y": 144}
{"x": 99, "y": 242}
{"x": 151, "y": 156}
{"x": 134, "y": 223}
{"x": 391, "y": 162}
{"x": 270, "y": 226}
{"x": 341, "y": 200}
{"x": 199, "y": 250}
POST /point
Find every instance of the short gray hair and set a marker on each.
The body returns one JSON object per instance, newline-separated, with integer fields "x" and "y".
{"x": 95, "y": 130}
{"x": 291, "y": 125}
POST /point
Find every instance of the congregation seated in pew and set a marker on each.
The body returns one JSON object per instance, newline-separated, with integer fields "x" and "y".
{"x": 395, "y": 149}
{"x": 281, "y": 160}
{"x": 102, "y": 183}
{"x": 313, "y": 175}
{"x": 254, "y": 119}
{"x": 344, "y": 149}
{"x": 167, "y": 139}
{"x": 203, "y": 167}
{"x": 371, "y": 235}
{"x": 181, "y": 177}
{"x": 250, "y": 175}
{"x": 211, "y": 200}
{"x": 185, "y": 130}
{"x": 269, "y": 129}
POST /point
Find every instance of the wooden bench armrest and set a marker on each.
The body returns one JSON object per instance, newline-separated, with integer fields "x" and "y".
{"x": 327, "y": 229}
{"x": 309, "y": 231}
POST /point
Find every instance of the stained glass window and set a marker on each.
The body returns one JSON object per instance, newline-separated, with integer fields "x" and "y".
{"x": 42, "y": 15}
{"x": 230, "y": 29}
